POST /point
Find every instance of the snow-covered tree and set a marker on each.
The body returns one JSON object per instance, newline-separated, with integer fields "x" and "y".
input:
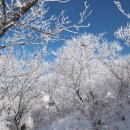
{"x": 20, "y": 86}
{"x": 81, "y": 66}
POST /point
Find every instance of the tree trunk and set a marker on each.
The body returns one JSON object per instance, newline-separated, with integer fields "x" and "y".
{"x": 17, "y": 126}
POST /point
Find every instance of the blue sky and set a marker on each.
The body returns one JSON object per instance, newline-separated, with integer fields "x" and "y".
{"x": 105, "y": 17}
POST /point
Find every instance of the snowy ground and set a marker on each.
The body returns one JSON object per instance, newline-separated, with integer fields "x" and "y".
{"x": 73, "y": 122}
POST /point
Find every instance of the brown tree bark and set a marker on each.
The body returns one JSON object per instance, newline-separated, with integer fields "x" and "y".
{"x": 16, "y": 15}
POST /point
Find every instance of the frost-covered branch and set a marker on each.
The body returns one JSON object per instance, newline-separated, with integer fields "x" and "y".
{"x": 12, "y": 11}
{"x": 28, "y": 23}
{"x": 123, "y": 33}
{"x": 118, "y": 4}
{"x": 68, "y": 26}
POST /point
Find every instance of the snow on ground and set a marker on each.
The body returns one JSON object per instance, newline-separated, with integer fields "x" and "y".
{"x": 73, "y": 122}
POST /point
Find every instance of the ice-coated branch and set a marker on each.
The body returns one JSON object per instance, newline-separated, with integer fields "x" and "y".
{"x": 21, "y": 10}
{"x": 123, "y": 33}
{"x": 63, "y": 23}
{"x": 16, "y": 15}
{"x": 118, "y": 4}
{"x": 29, "y": 24}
